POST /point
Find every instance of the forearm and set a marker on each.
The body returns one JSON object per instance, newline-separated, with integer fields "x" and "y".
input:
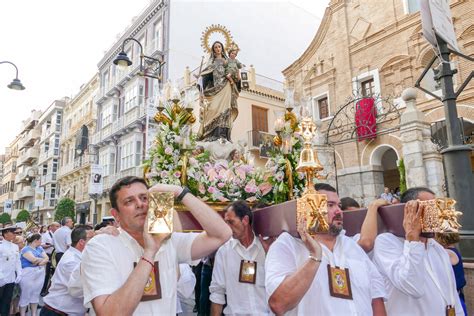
{"x": 125, "y": 300}
{"x": 216, "y": 309}
{"x": 293, "y": 288}
{"x": 211, "y": 222}
{"x": 378, "y": 307}
{"x": 368, "y": 231}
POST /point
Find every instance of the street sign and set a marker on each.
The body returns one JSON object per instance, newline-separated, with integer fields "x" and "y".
{"x": 436, "y": 19}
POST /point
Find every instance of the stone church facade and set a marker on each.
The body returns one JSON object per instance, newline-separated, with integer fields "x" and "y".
{"x": 376, "y": 48}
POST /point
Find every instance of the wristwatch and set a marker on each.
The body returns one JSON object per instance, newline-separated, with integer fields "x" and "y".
{"x": 185, "y": 191}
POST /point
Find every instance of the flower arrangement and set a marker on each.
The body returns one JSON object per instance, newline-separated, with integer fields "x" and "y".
{"x": 221, "y": 181}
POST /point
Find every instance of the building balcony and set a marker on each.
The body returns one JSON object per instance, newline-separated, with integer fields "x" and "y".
{"x": 49, "y": 204}
{"x": 50, "y": 154}
{"x": 52, "y": 177}
{"x": 111, "y": 179}
{"x": 31, "y": 121}
{"x": 24, "y": 193}
{"x": 95, "y": 139}
{"x": 117, "y": 125}
{"x": 120, "y": 125}
{"x": 26, "y": 176}
{"x": 29, "y": 138}
{"x": 28, "y": 156}
{"x": 78, "y": 163}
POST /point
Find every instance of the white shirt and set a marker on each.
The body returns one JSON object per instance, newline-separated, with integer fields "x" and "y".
{"x": 356, "y": 238}
{"x": 287, "y": 254}
{"x": 410, "y": 288}
{"x": 108, "y": 261}
{"x": 9, "y": 262}
{"x": 62, "y": 239}
{"x": 242, "y": 298}
{"x": 58, "y": 296}
{"x": 46, "y": 238}
{"x": 185, "y": 290}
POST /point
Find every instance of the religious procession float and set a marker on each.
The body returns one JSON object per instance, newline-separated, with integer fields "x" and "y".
{"x": 219, "y": 171}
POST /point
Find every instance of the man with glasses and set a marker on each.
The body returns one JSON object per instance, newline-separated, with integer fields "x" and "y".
{"x": 59, "y": 301}
{"x": 10, "y": 268}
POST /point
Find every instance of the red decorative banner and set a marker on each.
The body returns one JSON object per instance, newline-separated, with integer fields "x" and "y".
{"x": 366, "y": 119}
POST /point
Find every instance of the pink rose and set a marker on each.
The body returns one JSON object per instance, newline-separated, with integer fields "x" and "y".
{"x": 212, "y": 190}
{"x": 251, "y": 187}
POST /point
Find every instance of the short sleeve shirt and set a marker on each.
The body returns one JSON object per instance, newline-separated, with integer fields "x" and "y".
{"x": 287, "y": 254}
{"x": 117, "y": 256}
{"x": 38, "y": 253}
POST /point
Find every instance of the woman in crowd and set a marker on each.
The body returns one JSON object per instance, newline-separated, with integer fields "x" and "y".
{"x": 33, "y": 261}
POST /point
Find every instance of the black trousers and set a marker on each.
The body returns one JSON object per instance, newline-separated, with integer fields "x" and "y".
{"x": 6, "y": 293}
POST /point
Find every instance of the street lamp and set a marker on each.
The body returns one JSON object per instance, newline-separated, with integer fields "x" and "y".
{"x": 16, "y": 83}
{"x": 146, "y": 63}
{"x": 122, "y": 60}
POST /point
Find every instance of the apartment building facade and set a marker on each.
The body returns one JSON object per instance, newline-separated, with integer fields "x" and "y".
{"x": 76, "y": 154}
{"x": 50, "y": 124}
{"x": 124, "y": 96}
{"x": 26, "y": 165}
{"x": 8, "y": 177}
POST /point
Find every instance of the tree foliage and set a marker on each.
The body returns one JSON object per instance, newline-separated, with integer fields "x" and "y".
{"x": 5, "y": 218}
{"x": 403, "y": 180}
{"x": 22, "y": 216}
{"x": 65, "y": 208}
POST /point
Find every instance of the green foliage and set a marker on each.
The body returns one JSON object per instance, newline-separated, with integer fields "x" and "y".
{"x": 22, "y": 216}
{"x": 65, "y": 208}
{"x": 403, "y": 180}
{"x": 5, "y": 218}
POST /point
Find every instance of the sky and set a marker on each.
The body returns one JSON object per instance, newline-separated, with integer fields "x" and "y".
{"x": 57, "y": 44}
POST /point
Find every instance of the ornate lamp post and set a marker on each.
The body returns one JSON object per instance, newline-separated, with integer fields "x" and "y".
{"x": 122, "y": 60}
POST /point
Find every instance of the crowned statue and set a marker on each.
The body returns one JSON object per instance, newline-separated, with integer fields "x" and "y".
{"x": 220, "y": 87}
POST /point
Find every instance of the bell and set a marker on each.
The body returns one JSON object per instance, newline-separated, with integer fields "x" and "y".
{"x": 308, "y": 161}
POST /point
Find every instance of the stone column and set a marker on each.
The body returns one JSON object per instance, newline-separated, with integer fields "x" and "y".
{"x": 325, "y": 155}
{"x": 433, "y": 162}
{"x": 413, "y": 129}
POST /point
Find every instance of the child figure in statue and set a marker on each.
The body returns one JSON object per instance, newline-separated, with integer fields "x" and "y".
{"x": 233, "y": 66}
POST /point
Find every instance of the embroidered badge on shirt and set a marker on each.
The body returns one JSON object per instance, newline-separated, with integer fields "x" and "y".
{"x": 450, "y": 310}
{"x": 248, "y": 271}
{"x": 152, "y": 290}
{"x": 339, "y": 283}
